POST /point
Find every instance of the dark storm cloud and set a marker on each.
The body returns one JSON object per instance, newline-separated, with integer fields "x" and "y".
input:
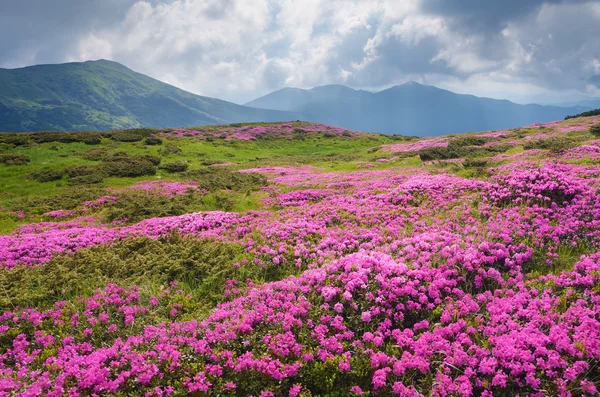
{"x": 42, "y": 31}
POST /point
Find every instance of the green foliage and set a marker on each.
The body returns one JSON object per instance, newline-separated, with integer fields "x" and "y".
{"x": 205, "y": 264}
{"x": 81, "y": 170}
{"x": 175, "y": 166}
{"x": 90, "y": 179}
{"x": 455, "y": 151}
{"x": 68, "y": 199}
{"x": 595, "y": 130}
{"x": 129, "y": 167}
{"x": 153, "y": 140}
{"x": 553, "y": 144}
{"x": 467, "y": 141}
{"x": 14, "y": 159}
{"x": 475, "y": 163}
{"x": 126, "y": 137}
{"x": 214, "y": 179}
{"x": 95, "y": 154}
{"x": 170, "y": 149}
{"x": 594, "y": 112}
{"x": 47, "y": 175}
{"x": 15, "y": 139}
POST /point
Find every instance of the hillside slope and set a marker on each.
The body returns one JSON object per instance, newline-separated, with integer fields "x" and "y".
{"x": 101, "y": 95}
{"x": 409, "y": 109}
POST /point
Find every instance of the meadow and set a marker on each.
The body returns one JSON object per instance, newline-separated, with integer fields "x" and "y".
{"x": 298, "y": 259}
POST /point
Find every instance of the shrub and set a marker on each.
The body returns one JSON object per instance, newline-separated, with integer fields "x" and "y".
{"x": 170, "y": 149}
{"x": 47, "y": 175}
{"x": 90, "y": 179}
{"x": 153, "y": 140}
{"x": 126, "y": 137}
{"x": 67, "y": 200}
{"x": 14, "y": 159}
{"x": 594, "y": 112}
{"x": 15, "y": 139}
{"x": 129, "y": 167}
{"x": 175, "y": 166}
{"x": 155, "y": 160}
{"x": 93, "y": 140}
{"x": 81, "y": 170}
{"x": 475, "y": 163}
{"x": 215, "y": 179}
{"x": 551, "y": 144}
{"x": 467, "y": 141}
{"x": 455, "y": 151}
{"x": 595, "y": 130}
{"x": 207, "y": 263}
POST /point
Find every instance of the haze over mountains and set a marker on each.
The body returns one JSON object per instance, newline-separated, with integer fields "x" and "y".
{"x": 410, "y": 109}
{"x": 103, "y": 95}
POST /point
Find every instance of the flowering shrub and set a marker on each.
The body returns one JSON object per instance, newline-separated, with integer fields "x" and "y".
{"x": 413, "y": 280}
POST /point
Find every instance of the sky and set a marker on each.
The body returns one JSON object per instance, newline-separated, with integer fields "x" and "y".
{"x": 238, "y": 50}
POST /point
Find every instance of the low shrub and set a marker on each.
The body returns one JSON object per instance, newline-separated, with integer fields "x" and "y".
{"x": 175, "y": 166}
{"x": 47, "y": 175}
{"x": 15, "y": 139}
{"x": 14, "y": 159}
{"x": 126, "y": 137}
{"x": 93, "y": 140}
{"x": 81, "y": 170}
{"x": 66, "y": 200}
{"x": 455, "y": 151}
{"x": 467, "y": 141}
{"x": 90, "y": 179}
{"x": 215, "y": 179}
{"x": 129, "y": 167}
{"x": 595, "y": 129}
{"x": 475, "y": 163}
{"x": 170, "y": 149}
{"x": 594, "y": 112}
{"x": 143, "y": 261}
{"x": 153, "y": 140}
{"x": 554, "y": 144}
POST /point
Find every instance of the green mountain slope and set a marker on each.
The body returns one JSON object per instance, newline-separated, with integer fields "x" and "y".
{"x": 102, "y": 95}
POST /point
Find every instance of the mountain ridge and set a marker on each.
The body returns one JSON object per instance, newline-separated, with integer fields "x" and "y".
{"x": 102, "y": 94}
{"x": 408, "y": 109}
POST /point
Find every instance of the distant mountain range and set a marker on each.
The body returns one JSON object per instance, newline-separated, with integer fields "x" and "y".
{"x": 409, "y": 109}
{"x": 103, "y": 95}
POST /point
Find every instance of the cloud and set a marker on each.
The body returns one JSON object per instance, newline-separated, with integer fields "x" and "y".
{"x": 240, "y": 49}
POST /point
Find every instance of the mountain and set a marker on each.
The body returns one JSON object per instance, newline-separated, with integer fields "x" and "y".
{"x": 103, "y": 95}
{"x": 409, "y": 109}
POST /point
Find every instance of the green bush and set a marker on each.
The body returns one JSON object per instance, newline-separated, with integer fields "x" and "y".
{"x": 126, "y": 137}
{"x": 68, "y": 199}
{"x": 46, "y": 175}
{"x": 90, "y": 179}
{"x": 467, "y": 141}
{"x": 93, "y": 140}
{"x": 595, "y": 130}
{"x": 14, "y": 159}
{"x": 594, "y": 112}
{"x": 155, "y": 160}
{"x": 207, "y": 264}
{"x": 455, "y": 151}
{"x": 129, "y": 167}
{"x": 15, "y": 139}
{"x": 170, "y": 149}
{"x": 153, "y": 140}
{"x": 215, "y": 179}
{"x": 81, "y": 170}
{"x": 554, "y": 144}
{"x": 175, "y": 166}
{"x": 475, "y": 163}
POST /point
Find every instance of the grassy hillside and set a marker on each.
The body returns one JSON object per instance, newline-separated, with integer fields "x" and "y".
{"x": 299, "y": 259}
{"x": 104, "y": 95}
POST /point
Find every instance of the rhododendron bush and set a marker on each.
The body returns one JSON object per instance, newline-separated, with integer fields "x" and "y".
{"x": 407, "y": 280}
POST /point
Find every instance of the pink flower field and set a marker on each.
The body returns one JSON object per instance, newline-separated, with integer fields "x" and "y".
{"x": 413, "y": 280}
